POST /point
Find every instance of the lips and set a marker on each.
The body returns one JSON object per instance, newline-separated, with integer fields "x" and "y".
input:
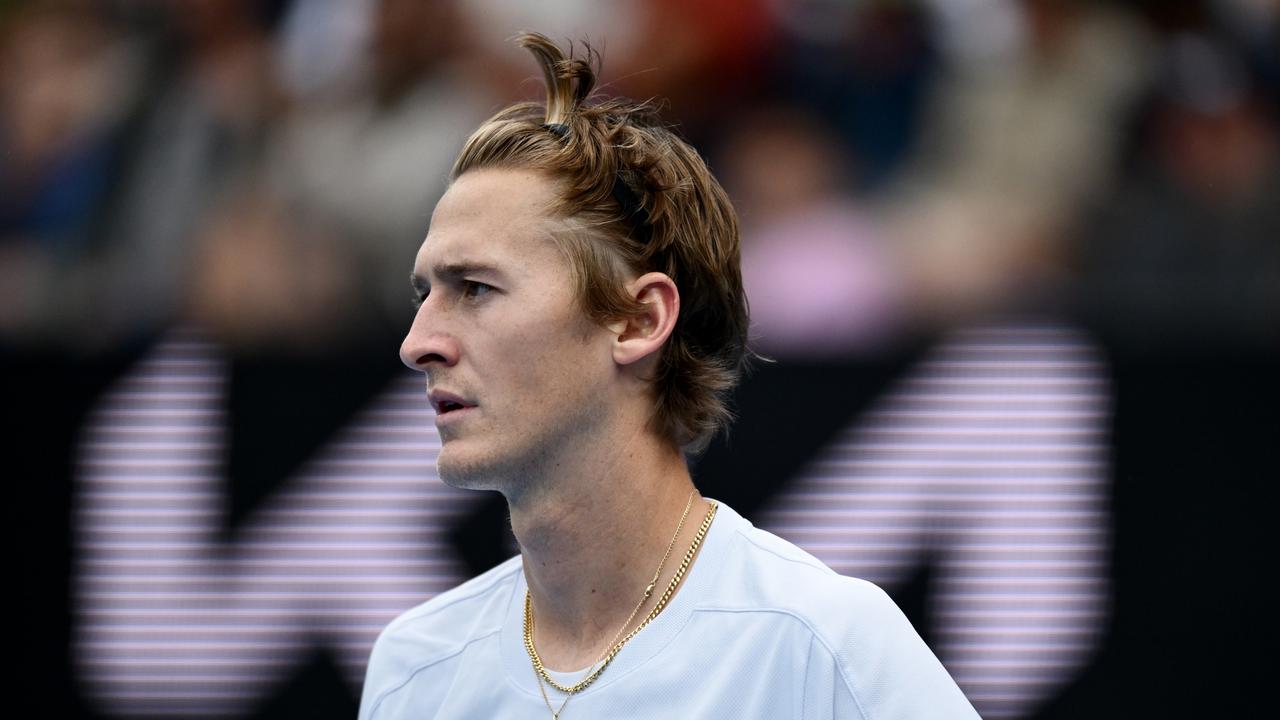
{"x": 446, "y": 402}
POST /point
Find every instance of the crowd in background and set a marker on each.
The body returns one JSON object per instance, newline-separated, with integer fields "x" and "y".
{"x": 267, "y": 168}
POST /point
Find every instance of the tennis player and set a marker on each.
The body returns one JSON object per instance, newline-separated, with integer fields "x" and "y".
{"x": 581, "y": 321}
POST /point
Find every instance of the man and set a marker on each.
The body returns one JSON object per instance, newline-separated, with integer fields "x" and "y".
{"x": 582, "y": 318}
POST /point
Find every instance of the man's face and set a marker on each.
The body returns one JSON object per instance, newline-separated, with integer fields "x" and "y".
{"x": 517, "y": 373}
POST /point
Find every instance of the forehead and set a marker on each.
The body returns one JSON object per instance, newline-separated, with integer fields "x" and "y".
{"x": 500, "y": 217}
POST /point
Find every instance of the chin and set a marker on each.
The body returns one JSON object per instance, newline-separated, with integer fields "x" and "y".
{"x": 463, "y": 470}
{"x": 456, "y": 473}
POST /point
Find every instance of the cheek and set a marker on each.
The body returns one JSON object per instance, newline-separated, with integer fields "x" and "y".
{"x": 558, "y": 366}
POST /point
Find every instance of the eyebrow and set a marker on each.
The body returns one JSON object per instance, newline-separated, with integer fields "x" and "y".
{"x": 452, "y": 271}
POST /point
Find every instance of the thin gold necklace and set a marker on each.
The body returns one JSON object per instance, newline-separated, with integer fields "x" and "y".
{"x": 540, "y": 671}
{"x": 615, "y": 646}
{"x": 648, "y": 591}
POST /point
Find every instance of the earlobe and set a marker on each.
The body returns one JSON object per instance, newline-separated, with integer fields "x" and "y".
{"x": 643, "y": 334}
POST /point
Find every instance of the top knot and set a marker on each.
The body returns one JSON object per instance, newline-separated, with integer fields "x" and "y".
{"x": 569, "y": 80}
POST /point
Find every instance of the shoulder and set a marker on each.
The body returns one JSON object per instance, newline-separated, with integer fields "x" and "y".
{"x": 766, "y": 572}
{"x": 450, "y": 620}
{"x": 859, "y": 638}
{"x": 439, "y": 629}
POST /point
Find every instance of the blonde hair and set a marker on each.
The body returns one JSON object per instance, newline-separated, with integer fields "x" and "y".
{"x": 639, "y": 199}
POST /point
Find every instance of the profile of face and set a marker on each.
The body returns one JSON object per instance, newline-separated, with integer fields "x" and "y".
{"x": 515, "y": 370}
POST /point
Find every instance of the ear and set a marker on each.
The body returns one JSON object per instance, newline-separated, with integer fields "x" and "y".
{"x": 642, "y": 335}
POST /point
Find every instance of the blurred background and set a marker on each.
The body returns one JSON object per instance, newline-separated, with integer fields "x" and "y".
{"x": 1018, "y": 263}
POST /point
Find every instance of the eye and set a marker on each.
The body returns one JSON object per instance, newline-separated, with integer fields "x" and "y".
{"x": 475, "y": 289}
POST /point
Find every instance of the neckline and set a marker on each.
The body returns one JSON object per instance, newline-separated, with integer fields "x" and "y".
{"x": 648, "y": 642}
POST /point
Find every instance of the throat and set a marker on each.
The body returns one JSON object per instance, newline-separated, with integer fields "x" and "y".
{"x": 592, "y": 542}
{"x": 562, "y": 643}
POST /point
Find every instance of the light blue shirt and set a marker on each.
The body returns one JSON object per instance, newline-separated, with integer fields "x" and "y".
{"x": 760, "y": 629}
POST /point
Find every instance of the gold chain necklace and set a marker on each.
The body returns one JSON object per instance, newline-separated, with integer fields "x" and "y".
{"x": 648, "y": 591}
{"x": 616, "y": 645}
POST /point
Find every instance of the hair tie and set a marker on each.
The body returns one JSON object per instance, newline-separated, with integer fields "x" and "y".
{"x": 622, "y": 193}
{"x": 560, "y": 130}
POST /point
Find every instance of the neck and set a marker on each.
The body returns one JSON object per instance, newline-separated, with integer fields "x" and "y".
{"x": 592, "y": 541}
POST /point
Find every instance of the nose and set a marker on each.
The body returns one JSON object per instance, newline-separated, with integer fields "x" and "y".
{"x": 427, "y": 346}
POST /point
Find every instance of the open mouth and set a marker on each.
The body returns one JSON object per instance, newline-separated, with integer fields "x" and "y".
{"x": 447, "y": 403}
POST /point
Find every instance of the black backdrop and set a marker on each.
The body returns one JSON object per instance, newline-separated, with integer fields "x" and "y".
{"x": 1194, "y": 453}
